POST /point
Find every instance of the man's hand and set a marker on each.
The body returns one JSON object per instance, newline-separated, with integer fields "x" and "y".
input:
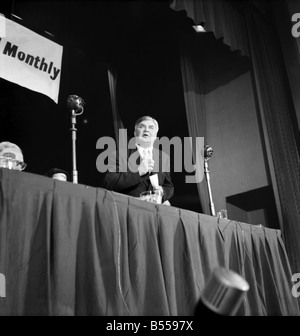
{"x": 160, "y": 188}
{"x": 146, "y": 166}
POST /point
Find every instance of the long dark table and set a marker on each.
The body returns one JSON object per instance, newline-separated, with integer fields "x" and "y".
{"x": 71, "y": 249}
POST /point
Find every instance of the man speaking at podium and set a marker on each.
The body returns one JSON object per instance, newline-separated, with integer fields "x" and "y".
{"x": 144, "y": 162}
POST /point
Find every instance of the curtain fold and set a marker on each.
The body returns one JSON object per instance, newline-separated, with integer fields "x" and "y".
{"x": 195, "y": 110}
{"x": 276, "y": 108}
{"x": 248, "y": 27}
{"x": 220, "y": 17}
{"x": 117, "y": 120}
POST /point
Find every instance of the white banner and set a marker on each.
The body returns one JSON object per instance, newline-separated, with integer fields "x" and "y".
{"x": 29, "y": 59}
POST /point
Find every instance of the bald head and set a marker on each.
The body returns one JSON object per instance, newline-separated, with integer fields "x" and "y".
{"x": 12, "y": 151}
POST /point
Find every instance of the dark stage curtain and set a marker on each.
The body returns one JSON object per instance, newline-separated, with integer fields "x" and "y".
{"x": 71, "y": 249}
{"x": 219, "y": 17}
{"x": 248, "y": 27}
{"x": 117, "y": 120}
{"x": 195, "y": 110}
{"x": 276, "y": 110}
{"x": 205, "y": 65}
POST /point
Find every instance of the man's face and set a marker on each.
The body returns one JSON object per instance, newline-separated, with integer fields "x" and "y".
{"x": 10, "y": 158}
{"x": 146, "y": 132}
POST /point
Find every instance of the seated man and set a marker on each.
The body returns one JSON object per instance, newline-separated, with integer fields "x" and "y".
{"x": 11, "y": 156}
{"x": 142, "y": 163}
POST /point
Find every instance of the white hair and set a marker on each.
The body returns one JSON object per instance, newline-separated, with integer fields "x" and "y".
{"x": 145, "y": 118}
{"x": 7, "y": 144}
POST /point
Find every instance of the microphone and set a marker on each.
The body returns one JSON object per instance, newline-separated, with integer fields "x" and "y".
{"x": 208, "y": 152}
{"x": 75, "y": 103}
{"x": 222, "y": 295}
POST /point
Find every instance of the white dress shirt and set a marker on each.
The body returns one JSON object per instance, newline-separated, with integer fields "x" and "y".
{"x": 145, "y": 152}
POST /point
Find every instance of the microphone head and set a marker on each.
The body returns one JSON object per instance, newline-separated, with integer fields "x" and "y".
{"x": 208, "y": 152}
{"x": 75, "y": 103}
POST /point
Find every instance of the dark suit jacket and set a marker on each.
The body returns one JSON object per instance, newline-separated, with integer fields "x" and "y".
{"x": 123, "y": 176}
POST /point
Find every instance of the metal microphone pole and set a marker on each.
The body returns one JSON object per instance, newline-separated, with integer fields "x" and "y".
{"x": 75, "y": 104}
{"x": 208, "y": 151}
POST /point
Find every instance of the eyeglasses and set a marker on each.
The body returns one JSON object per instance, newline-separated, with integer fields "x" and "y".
{"x": 10, "y": 163}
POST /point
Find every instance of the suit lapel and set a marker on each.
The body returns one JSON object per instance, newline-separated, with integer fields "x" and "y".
{"x": 133, "y": 159}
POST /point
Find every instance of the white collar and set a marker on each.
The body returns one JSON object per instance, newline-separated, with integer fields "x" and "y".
{"x": 139, "y": 147}
{"x": 143, "y": 149}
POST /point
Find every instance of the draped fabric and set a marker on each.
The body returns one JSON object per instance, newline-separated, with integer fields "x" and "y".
{"x": 276, "y": 111}
{"x": 205, "y": 65}
{"x": 71, "y": 249}
{"x": 196, "y": 114}
{"x": 248, "y": 28}
{"x": 220, "y": 17}
{"x": 117, "y": 121}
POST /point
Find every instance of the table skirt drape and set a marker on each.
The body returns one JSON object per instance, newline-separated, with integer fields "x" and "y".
{"x": 71, "y": 249}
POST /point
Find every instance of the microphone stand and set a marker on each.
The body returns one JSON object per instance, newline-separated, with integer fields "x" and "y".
{"x": 208, "y": 151}
{"x": 75, "y": 105}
